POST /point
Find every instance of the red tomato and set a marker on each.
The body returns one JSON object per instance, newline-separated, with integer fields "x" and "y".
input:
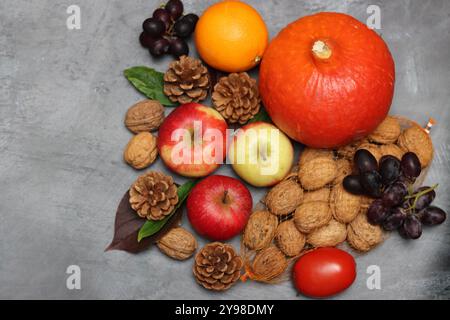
{"x": 324, "y": 272}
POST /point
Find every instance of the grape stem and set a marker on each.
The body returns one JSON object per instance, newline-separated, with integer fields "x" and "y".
{"x": 417, "y": 195}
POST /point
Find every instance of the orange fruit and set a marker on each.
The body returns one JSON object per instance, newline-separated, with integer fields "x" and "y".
{"x": 231, "y": 36}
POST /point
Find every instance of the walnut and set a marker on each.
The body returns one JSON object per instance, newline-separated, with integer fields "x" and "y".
{"x": 285, "y": 197}
{"x": 289, "y": 239}
{"x": 268, "y": 265}
{"x": 344, "y": 168}
{"x": 362, "y": 235}
{"x": 312, "y": 215}
{"x": 348, "y": 151}
{"x": 391, "y": 149}
{"x": 178, "y": 244}
{"x": 330, "y": 235}
{"x": 416, "y": 139}
{"x": 317, "y": 173}
{"x": 344, "y": 205}
{"x": 317, "y": 195}
{"x": 366, "y": 201}
{"x": 372, "y": 148}
{"x": 146, "y": 115}
{"x": 310, "y": 154}
{"x": 260, "y": 230}
{"x": 387, "y": 132}
{"x": 141, "y": 151}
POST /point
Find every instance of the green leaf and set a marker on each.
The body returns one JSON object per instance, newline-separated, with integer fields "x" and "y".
{"x": 148, "y": 81}
{"x": 151, "y": 227}
{"x": 262, "y": 115}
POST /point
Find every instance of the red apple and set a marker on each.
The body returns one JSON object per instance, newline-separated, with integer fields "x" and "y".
{"x": 192, "y": 140}
{"x": 218, "y": 207}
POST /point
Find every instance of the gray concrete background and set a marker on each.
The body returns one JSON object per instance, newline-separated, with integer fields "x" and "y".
{"x": 62, "y": 104}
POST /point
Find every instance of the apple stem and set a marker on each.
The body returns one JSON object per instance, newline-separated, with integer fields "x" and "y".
{"x": 226, "y": 198}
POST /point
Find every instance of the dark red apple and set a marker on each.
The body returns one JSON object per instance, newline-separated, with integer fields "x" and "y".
{"x": 218, "y": 207}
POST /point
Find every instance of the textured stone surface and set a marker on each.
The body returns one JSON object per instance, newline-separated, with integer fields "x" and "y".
{"x": 62, "y": 103}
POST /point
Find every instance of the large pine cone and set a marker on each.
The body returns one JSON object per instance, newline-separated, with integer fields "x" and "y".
{"x": 153, "y": 195}
{"x": 217, "y": 266}
{"x": 187, "y": 80}
{"x": 236, "y": 97}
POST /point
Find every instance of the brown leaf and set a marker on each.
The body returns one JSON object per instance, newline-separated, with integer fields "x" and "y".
{"x": 128, "y": 224}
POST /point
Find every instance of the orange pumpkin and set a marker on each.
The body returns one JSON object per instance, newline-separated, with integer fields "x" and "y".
{"x": 327, "y": 79}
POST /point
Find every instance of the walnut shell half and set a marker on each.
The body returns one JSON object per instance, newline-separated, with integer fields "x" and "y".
{"x": 322, "y": 194}
{"x": 317, "y": 173}
{"x": 141, "y": 151}
{"x": 309, "y": 154}
{"x": 415, "y": 139}
{"x": 285, "y": 197}
{"x": 260, "y": 230}
{"x": 344, "y": 205}
{"x": 344, "y": 168}
{"x": 330, "y": 235}
{"x": 146, "y": 115}
{"x": 312, "y": 215}
{"x": 387, "y": 131}
{"x": 391, "y": 149}
{"x": 178, "y": 244}
{"x": 289, "y": 239}
{"x": 362, "y": 235}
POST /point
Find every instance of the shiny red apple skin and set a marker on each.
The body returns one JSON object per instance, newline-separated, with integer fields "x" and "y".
{"x": 183, "y": 117}
{"x": 218, "y": 207}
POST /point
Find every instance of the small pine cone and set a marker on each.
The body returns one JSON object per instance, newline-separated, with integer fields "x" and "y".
{"x": 187, "y": 80}
{"x": 153, "y": 195}
{"x": 236, "y": 97}
{"x": 217, "y": 266}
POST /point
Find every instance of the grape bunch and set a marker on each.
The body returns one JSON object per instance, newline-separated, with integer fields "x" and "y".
{"x": 398, "y": 206}
{"x": 166, "y": 31}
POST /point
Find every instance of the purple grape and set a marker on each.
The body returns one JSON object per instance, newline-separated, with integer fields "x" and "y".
{"x": 424, "y": 200}
{"x": 159, "y": 47}
{"x": 377, "y": 213}
{"x": 389, "y": 169}
{"x": 371, "y": 182}
{"x": 153, "y": 27}
{"x": 395, "y": 219}
{"x": 178, "y": 47}
{"x": 365, "y": 161}
{"x": 412, "y": 227}
{"x": 432, "y": 216}
{"x": 192, "y": 18}
{"x": 352, "y": 184}
{"x": 183, "y": 28}
{"x": 145, "y": 40}
{"x": 410, "y": 165}
{"x": 175, "y": 8}
{"x": 162, "y": 15}
{"x": 394, "y": 194}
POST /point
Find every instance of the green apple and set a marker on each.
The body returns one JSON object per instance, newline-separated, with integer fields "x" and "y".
{"x": 261, "y": 154}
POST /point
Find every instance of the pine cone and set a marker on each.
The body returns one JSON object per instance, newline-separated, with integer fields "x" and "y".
{"x": 217, "y": 266}
{"x": 236, "y": 97}
{"x": 187, "y": 80}
{"x": 153, "y": 195}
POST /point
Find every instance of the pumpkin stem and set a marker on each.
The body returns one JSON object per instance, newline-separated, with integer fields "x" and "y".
{"x": 321, "y": 50}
